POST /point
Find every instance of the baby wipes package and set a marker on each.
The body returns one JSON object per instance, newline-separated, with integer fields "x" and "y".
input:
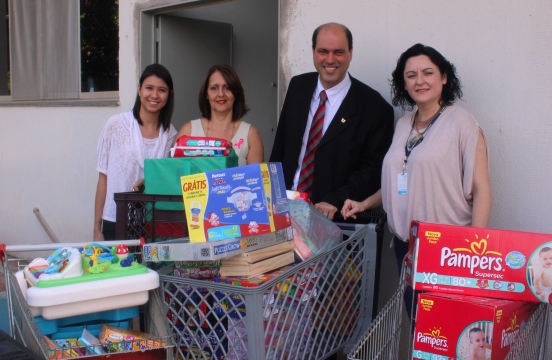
{"x": 235, "y": 202}
{"x": 485, "y": 262}
{"x": 451, "y": 326}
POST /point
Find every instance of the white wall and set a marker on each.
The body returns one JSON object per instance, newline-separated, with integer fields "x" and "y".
{"x": 502, "y": 51}
{"x": 48, "y": 158}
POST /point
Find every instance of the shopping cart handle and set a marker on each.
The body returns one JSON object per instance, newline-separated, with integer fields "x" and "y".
{"x": 2, "y": 251}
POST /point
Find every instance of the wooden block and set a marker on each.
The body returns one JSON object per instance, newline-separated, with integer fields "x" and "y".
{"x": 259, "y": 267}
{"x": 258, "y": 255}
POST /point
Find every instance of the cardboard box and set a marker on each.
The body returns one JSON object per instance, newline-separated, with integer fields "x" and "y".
{"x": 116, "y": 339}
{"x": 184, "y": 250}
{"x": 162, "y": 176}
{"x": 451, "y": 326}
{"x": 236, "y": 202}
{"x": 259, "y": 267}
{"x": 492, "y": 263}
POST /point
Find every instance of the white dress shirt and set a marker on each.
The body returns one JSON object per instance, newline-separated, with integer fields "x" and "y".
{"x": 335, "y": 96}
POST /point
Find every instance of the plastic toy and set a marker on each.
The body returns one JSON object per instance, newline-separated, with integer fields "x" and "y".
{"x": 62, "y": 263}
{"x": 95, "y": 278}
{"x": 122, "y": 252}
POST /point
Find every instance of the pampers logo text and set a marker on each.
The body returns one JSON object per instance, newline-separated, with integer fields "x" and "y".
{"x": 433, "y": 338}
{"x": 511, "y": 333}
{"x": 476, "y": 256}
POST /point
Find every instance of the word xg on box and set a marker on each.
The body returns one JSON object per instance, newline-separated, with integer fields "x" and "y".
{"x": 485, "y": 262}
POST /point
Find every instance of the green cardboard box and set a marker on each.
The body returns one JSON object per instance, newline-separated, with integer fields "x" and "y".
{"x": 162, "y": 176}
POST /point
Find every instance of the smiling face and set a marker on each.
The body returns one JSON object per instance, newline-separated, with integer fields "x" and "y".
{"x": 477, "y": 339}
{"x": 546, "y": 259}
{"x": 331, "y": 55}
{"x": 153, "y": 94}
{"x": 219, "y": 94}
{"x": 423, "y": 81}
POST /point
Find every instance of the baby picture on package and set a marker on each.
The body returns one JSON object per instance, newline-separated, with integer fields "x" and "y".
{"x": 539, "y": 272}
{"x": 475, "y": 343}
{"x": 235, "y": 202}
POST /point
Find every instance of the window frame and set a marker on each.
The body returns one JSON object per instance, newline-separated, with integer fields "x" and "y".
{"x": 38, "y": 92}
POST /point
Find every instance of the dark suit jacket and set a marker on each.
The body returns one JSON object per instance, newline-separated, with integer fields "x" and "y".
{"x": 348, "y": 160}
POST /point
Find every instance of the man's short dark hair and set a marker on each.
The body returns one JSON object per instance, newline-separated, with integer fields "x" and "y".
{"x": 345, "y": 29}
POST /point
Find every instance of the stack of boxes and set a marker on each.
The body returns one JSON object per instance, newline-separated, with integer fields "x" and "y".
{"x": 479, "y": 288}
{"x": 237, "y": 203}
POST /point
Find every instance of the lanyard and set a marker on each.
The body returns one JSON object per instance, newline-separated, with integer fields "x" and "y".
{"x": 416, "y": 140}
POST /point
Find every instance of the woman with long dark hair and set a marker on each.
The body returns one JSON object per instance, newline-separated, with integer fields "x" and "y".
{"x": 127, "y": 139}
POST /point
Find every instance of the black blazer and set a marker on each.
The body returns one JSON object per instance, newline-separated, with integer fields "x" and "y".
{"x": 348, "y": 160}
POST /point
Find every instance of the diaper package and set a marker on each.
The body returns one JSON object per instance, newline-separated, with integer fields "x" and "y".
{"x": 450, "y": 326}
{"x": 193, "y": 146}
{"x": 235, "y": 202}
{"x": 485, "y": 262}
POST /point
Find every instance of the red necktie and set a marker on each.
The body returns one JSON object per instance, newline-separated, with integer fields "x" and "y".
{"x": 315, "y": 134}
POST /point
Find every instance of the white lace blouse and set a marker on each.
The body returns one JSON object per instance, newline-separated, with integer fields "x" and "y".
{"x": 121, "y": 154}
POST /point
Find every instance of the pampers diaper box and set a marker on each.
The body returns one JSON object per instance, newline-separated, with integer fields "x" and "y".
{"x": 235, "y": 202}
{"x": 492, "y": 263}
{"x": 452, "y": 326}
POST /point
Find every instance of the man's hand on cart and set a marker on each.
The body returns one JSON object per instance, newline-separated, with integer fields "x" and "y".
{"x": 328, "y": 210}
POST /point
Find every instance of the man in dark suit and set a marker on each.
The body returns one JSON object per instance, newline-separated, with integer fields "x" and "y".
{"x": 357, "y": 127}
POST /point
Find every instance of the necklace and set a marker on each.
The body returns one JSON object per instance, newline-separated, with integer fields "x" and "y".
{"x": 419, "y": 137}
{"x": 233, "y": 127}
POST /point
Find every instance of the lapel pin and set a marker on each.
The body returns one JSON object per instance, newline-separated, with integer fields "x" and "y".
{"x": 343, "y": 120}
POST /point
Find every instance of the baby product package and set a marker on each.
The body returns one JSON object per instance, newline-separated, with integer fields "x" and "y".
{"x": 184, "y": 250}
{"x": 193, "y": 146}
{"x": 235, "y": 202}
{"x": 492, "y": 263}
{"x": 313, "y": 232}
{"x": 451, "y": 326}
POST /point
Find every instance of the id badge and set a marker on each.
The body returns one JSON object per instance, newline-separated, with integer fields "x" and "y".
{"x": 402, "y": 184}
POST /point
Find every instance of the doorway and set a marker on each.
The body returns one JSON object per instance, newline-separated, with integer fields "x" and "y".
{"x": 189, "y": 38}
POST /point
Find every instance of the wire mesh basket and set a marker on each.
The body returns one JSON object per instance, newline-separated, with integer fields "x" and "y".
{"x": 25, "y": 329}
{"x": 531, "y": 343}
{"x": 382, "y": 339}
{"x": 309, "y": 311}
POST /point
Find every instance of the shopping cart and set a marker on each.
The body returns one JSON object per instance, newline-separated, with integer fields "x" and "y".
{"x": 311, "y": 322}
{"x": 309, "y": 311}
{"x": 25, "y": 329}
{"x": 532, "y": 343}
{"x": 381, "y": 341}
{"x": 350, "y": 225}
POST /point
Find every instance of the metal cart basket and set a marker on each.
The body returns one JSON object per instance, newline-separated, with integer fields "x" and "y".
{"x": 381, "y": 340}
{"x": 531, "y": 343}
{"x": 309, "y": 311}
{"x": 25, "y": 330}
